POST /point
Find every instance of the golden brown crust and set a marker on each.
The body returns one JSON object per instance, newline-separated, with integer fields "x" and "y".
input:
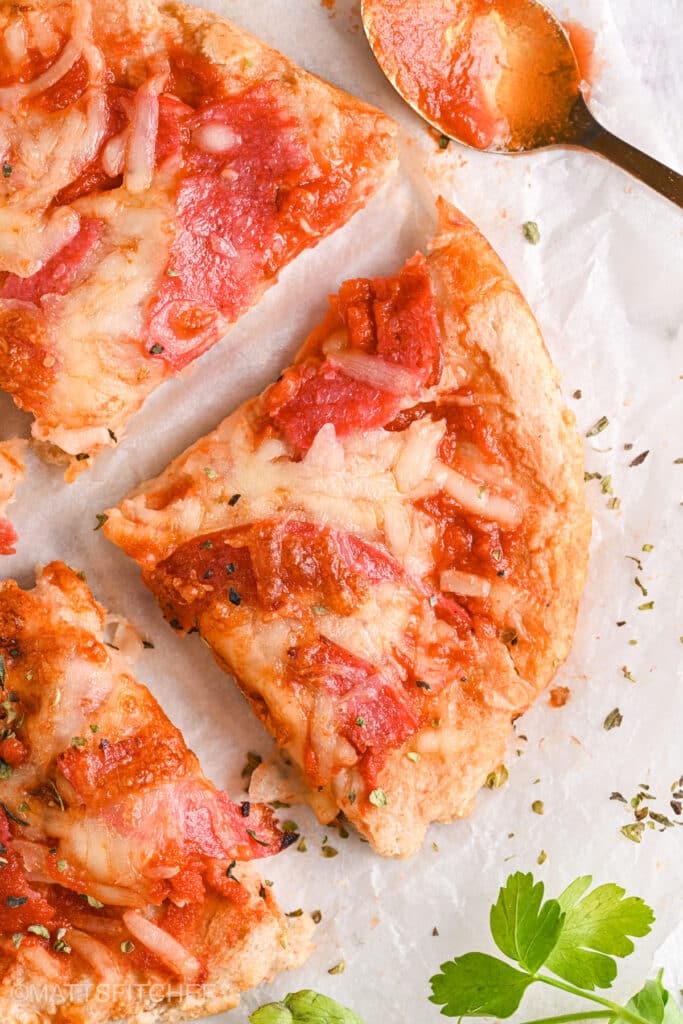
{"x": 484, "y": 311}
{"x": 494, "y": 357}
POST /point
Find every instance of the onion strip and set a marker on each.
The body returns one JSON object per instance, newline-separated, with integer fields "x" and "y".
{"x": 376, "y": 372}
{"x": 94, "y": 953}
{"x": 11, "y": 95}
{"x": 476, "y": 498}
{"x": 143, "y": 139}
{"x": 162, "y": 945}
{"x": 464, "y": 583}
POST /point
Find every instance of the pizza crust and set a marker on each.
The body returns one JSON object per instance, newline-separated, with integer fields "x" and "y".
{"x": 484, "y": 310}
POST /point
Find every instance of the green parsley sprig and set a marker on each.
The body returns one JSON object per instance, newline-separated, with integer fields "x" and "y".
{"x": 305, "y": 1008}
{"x": 575, "y": 938}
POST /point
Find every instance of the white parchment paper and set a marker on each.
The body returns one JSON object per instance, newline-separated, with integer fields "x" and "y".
{"x": 606, "y": 284}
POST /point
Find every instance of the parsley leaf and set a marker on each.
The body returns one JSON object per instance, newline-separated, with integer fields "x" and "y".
{"x": 305, "y": 1008}
{"x": 478, "y": 985}
{"x": 576, "y": 936}
{"x": 523, "y": 927}
{"x": 597, "y": 929}
{"x": 654, "y": 1004}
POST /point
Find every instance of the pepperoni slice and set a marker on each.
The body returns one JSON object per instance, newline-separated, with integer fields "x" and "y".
{"x": 68, "y": 89}
{"x": 316, "y": 396}
{"x": 269, "y": 564}
{"x": 393, "y": 319}
{"x": 60, "y": 272}
{"x": 396, "y": 318}
{"x": 228, "y": 211}
{"x": 371, "y": 713}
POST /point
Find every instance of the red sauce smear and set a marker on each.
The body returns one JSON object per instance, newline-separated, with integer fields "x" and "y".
{"x": 491, "y": 74}
{"x": 583, "y": 45}
{"x": 393, "y": 318}
{"x": 8, "y": 537}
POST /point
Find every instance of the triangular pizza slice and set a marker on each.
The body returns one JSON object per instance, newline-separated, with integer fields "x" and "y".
{"x": 160, "y": 166}
{"x": 125, "y": 887}
{"x": 387, "y": 547}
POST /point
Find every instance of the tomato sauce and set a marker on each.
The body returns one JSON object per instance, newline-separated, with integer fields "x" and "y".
{"x": 492, "y": 73}
{"x": 67, "y": 90}
{"x": 583, "y": 45}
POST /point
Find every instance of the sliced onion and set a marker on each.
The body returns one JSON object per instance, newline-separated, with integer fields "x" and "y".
{"x": 95, "y": 924}
{"x": 10, "y": 95}
{"x": 162, "y": 945}
{"x": 43, "y": 33}
{"x": 376, "y": 372}
{"x": 464, "y": 583}
{"x": 35, "y": 860}
{"x": 143, "y": 139}
{"x": 420, "y": 446}
{"x": 476, "y": 498}
{"x": 94, "y": 953}
{"x": 161, "y": 873}
{"x": 121, "y": 635}
{"x": 46, "y": 966}
{"x": 15, "y": 40}
{"x": 115, "y": 895}
{"x": 336, "y": 342}
{"x": 114, "y": 154}
{"x": 466, "y": 401}
{"x": 215, "y": 137}
{"x": 96, "y": 127}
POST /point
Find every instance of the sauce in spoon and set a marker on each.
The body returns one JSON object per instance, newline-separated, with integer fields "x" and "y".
{"x": 499, "y": 75}
{"x": 495, "y": 74}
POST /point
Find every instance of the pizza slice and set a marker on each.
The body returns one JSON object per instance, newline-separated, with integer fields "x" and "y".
{"x": 387, "y": 547}
{"x": 160, "y": 166}
{"x": 125, "y": 888}
{"x": 11, "y": 475}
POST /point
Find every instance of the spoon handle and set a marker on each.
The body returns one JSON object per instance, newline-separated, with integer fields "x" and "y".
{"x": 658, "y": 176}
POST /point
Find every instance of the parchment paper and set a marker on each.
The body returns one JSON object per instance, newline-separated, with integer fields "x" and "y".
{"x": 606, "y": 285}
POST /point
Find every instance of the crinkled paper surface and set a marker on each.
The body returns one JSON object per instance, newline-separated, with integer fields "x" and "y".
{"x": 605, "y": 283}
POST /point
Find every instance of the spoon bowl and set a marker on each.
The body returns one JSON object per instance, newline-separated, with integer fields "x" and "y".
{"x": 497, "y": 75}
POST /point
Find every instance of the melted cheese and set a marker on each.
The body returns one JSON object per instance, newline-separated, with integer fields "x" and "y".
{"x": 92, "y": 325}
{"x": 362, "y": 485}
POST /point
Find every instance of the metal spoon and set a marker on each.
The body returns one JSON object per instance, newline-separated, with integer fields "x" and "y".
{"x": 497, "y": 75}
